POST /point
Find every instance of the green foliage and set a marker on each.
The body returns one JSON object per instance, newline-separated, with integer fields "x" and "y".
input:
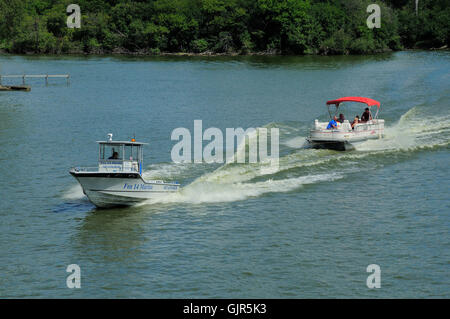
{"x": 222, "y": 26}
{"x": 338, "y": 43}
{"x": 199, "y": 45}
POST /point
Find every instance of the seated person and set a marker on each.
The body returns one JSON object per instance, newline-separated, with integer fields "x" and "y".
{"x": 341, "y": 118}
{"x": 115, "y": 155}
{"x": 333, "y": 123}
{"x": 355, "y": 121}
{"x": 366, "y": 116}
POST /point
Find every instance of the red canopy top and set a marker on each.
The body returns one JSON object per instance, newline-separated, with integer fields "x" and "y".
{"x": 366, "y": 100}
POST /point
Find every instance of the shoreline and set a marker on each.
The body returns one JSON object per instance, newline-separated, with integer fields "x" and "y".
{"x": 120, "y": 52}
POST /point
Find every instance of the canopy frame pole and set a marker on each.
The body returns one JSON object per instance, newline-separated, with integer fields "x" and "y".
{"x": 335, "y": 112}
{"x": 376, "y": 114}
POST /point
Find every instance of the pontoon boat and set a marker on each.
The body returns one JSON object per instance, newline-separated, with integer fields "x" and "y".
{"x": 118, "y": 178}
{"x": 344, "y": 137}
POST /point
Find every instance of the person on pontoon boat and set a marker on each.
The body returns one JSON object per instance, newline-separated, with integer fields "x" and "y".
{"x": 333, "y": 123}
{"x": 341, "y": 118}
{"x": 355, "y": 121}
{"x": 366, "y": 116}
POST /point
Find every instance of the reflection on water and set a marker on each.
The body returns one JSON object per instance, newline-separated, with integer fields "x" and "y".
{"x": 113, "y": 234}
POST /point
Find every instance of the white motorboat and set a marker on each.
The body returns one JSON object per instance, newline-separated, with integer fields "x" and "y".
{"x": 343, "y": 136}
{"x": 118, "y": 180}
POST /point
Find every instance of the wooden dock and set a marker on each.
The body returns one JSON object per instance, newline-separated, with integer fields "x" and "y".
{"x": 25, "y": 88}
{"x": 28, "y": 76}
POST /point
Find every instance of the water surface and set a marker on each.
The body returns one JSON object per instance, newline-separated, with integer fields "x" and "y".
{"x": 307, "y": 230}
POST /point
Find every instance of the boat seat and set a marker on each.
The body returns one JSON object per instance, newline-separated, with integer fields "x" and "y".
{"x": 346, "y": 125}
{"x": 320, "y": 125}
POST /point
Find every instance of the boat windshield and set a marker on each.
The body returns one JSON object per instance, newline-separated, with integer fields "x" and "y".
{"x": 111, "y": 152}
{"x": 132, "y": 152}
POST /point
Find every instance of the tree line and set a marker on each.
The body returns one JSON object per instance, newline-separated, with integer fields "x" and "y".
{"x": 222, "y": 26}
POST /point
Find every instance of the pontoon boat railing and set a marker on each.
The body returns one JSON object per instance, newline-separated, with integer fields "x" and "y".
{"x": 104, "y": 169}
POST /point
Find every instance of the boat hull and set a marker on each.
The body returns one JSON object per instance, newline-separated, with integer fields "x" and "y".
{"x": 332, "y": 145}
{"x": 120, "y": 189}
{"x": 343, "y": 140}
